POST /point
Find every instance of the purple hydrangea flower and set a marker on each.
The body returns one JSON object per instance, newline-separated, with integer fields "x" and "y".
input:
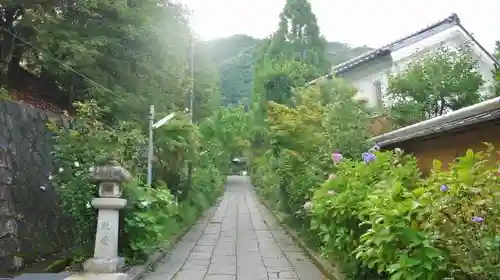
{"x": 477, "y": 219}
{"x": 337, "y": 157}
{"x": 444, "y": 188}
{"x": 367, "y": 157}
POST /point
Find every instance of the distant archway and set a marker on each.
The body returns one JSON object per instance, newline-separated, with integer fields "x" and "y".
{"x": 238, "y": 165}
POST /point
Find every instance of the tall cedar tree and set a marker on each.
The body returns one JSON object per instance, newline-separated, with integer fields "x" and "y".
{"x": 298, "y": 37}
{"x": 294, "y": 54}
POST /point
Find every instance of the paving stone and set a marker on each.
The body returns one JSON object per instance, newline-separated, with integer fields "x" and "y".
{"x": 190, "y": 275}
{"x": 220, "y": 277}
{"x": 207, "y": 249}
{"x": 237, "y": 239}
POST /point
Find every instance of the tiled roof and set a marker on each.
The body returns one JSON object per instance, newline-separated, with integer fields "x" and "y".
{"x": 360, "y": 60}
{"x": 445, "y": 127}
{"x": 453, "y": 19}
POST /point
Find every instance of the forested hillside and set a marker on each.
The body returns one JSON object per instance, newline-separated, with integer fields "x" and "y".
{"x": 234, "y": 57}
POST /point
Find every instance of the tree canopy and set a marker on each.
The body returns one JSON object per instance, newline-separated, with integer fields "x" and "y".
{"x": 126, "y": 55}
{"x": 436, "y": 84}
{"x": 298, "y": 37}
{"x": 496, "y": 73}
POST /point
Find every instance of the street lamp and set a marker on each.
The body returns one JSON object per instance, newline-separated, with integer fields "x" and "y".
{"x": 152, "y": 126}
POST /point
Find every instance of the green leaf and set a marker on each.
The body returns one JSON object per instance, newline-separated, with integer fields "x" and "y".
{"x": 397, "y": 275}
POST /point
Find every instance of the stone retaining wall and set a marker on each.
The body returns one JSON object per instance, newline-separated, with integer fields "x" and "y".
{"x": 31, "y": 224}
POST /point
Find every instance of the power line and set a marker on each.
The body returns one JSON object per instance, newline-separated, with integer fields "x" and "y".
{"x": 114, "y": 94}
{"x": 62, "y": 63}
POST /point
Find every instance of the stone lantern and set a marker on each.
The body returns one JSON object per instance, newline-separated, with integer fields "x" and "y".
{"x": 105, "y": 264}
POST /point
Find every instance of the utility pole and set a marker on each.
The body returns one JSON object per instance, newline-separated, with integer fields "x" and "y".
{"x": 191, "y": 100}
{"x": 154, "y": 125}
{"x": 191, "y": 87}
{"x": 150, "y": 145}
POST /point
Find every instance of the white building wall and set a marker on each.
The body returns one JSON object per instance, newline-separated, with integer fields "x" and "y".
{"x": 364, "y": 76}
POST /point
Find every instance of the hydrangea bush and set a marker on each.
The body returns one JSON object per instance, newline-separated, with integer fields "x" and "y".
{"x": 370, "y": 210}
{"x": 380, "y": 218}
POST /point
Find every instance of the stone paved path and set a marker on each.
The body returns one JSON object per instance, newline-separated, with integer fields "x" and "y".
{"x": 237, "y": 240}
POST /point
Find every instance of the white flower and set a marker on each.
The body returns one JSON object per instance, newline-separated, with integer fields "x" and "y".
{"x": 332, "y": 177}
{"x": 331, "y": 192}
{"x": 398, "y": 151}
{"x": 61, "y": 169}
{"x": 77, "y": 164}
{"x": 145, "y": 203}
{"x": 88, "y": 205}
{"x": 51, "y": 177}
{"x": 91, "y": 169}
{"x": 308, "y": 205}
{"x": 43, "y": 188}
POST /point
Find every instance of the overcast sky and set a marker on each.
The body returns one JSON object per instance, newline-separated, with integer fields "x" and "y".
{"x": 356, "y": 22}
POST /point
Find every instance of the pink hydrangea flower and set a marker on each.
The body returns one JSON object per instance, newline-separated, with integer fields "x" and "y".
{"x": 337, "y": 157}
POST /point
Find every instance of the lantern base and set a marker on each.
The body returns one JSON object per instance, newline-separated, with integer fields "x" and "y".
{"x": 103, "y": 265}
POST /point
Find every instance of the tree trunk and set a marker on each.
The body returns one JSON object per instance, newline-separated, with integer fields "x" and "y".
{"x": 13, "y": 73}
{"x": 442, "y": 104}
{"x": 7, "y": 45}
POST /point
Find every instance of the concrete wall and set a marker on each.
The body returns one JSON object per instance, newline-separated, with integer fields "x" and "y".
{"x": 448, "y": 146}
{"x": 31, "y": 223}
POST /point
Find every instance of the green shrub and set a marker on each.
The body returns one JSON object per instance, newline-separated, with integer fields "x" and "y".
{"x": 4, "y": 93}
{"x": 150, "y": 218}
{"x": 338, "y": 212}
{"x": 297, "y": 160}
{"x": 379, "y": 217}
{"x": 391, "y": 215}
{"x": 464, "y": 214}
{"x": 376, "y": 215}
{"x": 85, "y": 144}
{"x": 152, "y": 215}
